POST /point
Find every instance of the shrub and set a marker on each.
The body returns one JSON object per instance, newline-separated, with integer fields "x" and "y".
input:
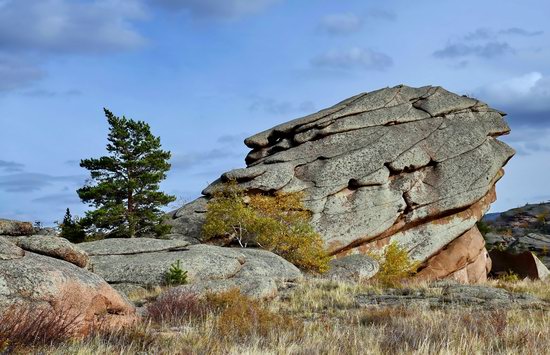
{"x": 30, "y": 326}
{"x": 176, "y": 275}
{"x": 240, "y": 317}
{"x": 484, "y": 227}
{"x": 278, "y": 223}
{"x": 508, "y": 276}
{"x": 175, "y": 307}
{"x": 395, "y": 265}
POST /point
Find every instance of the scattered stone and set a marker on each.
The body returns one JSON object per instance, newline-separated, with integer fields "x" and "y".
{"x": 55, "y": 247}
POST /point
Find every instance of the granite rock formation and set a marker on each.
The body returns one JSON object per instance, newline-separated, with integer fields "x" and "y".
{"x": 35, "y": 281}
{"x": 417, "y": 166}
{"x": 130, "y": 264}
{"x": 521, "y": 229}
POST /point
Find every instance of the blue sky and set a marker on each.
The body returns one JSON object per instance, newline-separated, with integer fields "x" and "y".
{"x": 207, "y": 73}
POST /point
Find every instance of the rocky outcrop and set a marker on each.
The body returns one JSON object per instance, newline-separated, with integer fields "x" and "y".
{"x": 34, "y": 281}
{"x": 144, "y": 262}
{"x": 15, "y": 228}
{"x": 522, "y": 229}
{"x": 451, "y": 294}
{"x": 416, "y": 166}
{"x": 55, "y": 247}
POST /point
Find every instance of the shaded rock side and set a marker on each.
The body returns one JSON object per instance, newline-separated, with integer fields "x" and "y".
{"x": 465, "y": 259}
{"x": 38, "y": 281}
{"x": 525, "y": 264}
{"x": 256, "y": 272}
{"x": 413, "y": 165}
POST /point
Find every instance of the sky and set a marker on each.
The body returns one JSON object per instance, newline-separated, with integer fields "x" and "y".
{"x": 205, "y": 74}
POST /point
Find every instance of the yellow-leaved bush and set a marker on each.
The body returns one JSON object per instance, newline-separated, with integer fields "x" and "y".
{"x": 395, "y": 265}
{"x": 278, "y": 223}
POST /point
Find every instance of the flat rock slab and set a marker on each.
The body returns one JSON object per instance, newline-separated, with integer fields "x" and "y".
{"x": 127, "y": 246}
{"x": 445, "y": 294}
{"x": 207, "y": 266}
{"x": 55, "y": 247}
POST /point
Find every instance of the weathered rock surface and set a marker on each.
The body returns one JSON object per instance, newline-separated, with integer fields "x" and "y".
{"x": 255, "y": 271}
{"x": 451, "y": 294}
{"x": 521, "y": 229}
{"x": 9, "y": 251}
{"x": 33, "y": 280}
{"x": 14, "y": 228}
{"x": 55, "y": 247}
{"x": 353, "y": 267}
{"x": 413, "y": 165}
{"x": 120, "y": 246}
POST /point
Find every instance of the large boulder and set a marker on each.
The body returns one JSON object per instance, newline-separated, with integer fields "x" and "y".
{"x": 55, "y": 247}
{"x": 34, "y": 281}
{"x": 15, "y": 228}
{"x": 416, "y": 166}
{"x": 144, "y": 262}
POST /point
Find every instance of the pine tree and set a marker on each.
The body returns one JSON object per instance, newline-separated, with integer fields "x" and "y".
{"x": 124, "y": 186}
{"x": 71, "y": 229}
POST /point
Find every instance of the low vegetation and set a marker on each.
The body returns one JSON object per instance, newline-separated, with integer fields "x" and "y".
{"x": 22, "y": 327}
{"x": 176, "y": 275}
{"x": 317, "y": 317}
{"x": 278, "y": 223}
{"x": 395, "y": 265}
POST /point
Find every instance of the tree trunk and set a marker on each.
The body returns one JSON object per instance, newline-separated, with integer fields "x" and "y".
{"x": 130, "y": 216}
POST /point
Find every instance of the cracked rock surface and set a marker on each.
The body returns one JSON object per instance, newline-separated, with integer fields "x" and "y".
{"x": 144, "y": 262}
{"x": 413, "y": 165}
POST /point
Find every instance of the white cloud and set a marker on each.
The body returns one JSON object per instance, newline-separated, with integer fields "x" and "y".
{"x": 529, "y": 92}
{"x": 70, "y": 26}
{"x": 353, "y": 58}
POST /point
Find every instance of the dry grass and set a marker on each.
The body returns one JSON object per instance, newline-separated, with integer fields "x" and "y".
{"x": 24, "y": 326}
{"x": 321, "y": 317}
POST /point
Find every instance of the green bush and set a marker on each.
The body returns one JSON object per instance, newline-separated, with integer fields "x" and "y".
{"x": 176, "y": 275}
{"x": 278, "y": 223}
{"x": 71, "y": 229}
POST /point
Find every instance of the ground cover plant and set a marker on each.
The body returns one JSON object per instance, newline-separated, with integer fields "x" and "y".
{"x": 320, "y": 317}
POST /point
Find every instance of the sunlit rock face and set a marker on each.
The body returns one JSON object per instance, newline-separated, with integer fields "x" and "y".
{"x": 413, "y": 165}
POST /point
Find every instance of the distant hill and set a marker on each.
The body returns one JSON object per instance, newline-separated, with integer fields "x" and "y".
{"x": 520, "y": 229}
